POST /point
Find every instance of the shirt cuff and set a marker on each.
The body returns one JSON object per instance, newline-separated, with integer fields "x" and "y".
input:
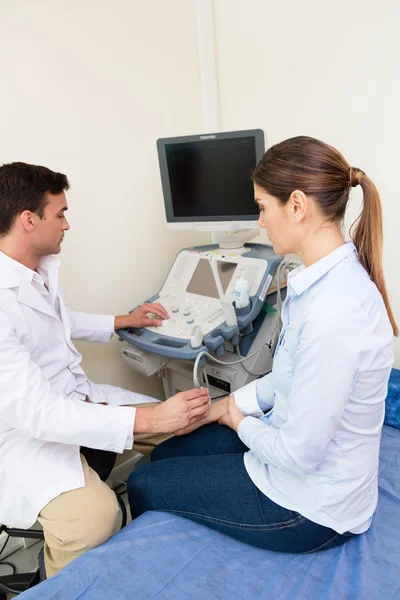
{"x": 109, "y": 322}
{"x": 246, "y": 400}
{"x": 247, "y": 426}
{"x": 129, "y": 437}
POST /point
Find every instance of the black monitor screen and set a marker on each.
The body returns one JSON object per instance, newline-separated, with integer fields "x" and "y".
{"x": 211, "y": 178}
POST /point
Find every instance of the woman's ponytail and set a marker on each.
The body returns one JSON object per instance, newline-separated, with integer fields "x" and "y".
{"x": 367, "y": 234}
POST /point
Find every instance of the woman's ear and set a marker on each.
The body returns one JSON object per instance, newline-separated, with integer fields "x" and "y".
{"x": 298, "y": 204}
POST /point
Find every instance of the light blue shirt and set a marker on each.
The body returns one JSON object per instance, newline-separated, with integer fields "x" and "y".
{"x": 317, "y": 450}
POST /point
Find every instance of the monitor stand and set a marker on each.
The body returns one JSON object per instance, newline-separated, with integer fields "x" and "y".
{"x": 235, "y": 239}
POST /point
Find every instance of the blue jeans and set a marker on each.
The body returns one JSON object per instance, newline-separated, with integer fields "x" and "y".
{"x": 201, "y": 476}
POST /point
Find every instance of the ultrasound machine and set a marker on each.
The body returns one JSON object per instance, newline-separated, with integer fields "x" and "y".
{"x": 206, "y": 182}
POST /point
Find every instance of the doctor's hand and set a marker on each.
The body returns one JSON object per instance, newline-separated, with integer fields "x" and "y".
{"x": 216, "y": 412}
{"x": 182, "y": 410}
{"x": 233, "y": 415}
{"x": 138, "y": 318}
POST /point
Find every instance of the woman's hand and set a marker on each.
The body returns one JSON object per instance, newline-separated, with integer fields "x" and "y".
{"x": 232, "y": 416}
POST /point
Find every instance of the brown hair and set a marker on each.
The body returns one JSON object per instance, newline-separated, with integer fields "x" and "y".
{"x": 24, "y": 187}
{"x": 306, "y": 164}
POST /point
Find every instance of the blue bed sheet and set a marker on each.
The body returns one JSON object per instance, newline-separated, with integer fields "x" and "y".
{"x": 161, "y": 556}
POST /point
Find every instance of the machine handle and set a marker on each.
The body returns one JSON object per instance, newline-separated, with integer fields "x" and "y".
{"x": 162, "y": 345}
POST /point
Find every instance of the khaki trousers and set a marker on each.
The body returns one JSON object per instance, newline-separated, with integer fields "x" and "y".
{"x": 85, "y": 517}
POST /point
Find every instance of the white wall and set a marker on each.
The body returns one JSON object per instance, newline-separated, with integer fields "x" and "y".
{"x": 324, "y": 69}
{"x": 87, "y": 86}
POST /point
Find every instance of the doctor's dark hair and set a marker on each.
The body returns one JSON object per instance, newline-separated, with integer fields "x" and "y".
{"x": 320, "y": 171}
{"x": 24, "y": 187}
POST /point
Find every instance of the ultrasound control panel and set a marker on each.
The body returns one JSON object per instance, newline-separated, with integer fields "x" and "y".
{"x": 190, "y": 295}
{"x": 191, "y": 298}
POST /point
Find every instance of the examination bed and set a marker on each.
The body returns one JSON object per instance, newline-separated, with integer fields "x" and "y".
{"x": 162, "y": 556}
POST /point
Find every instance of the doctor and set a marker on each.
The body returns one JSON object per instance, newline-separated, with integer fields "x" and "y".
{"x": 48, "y": 407}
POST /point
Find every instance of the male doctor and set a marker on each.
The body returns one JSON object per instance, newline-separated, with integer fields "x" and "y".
{"x": 48, "y": 407}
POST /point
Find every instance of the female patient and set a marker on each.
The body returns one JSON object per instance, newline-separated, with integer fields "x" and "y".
{"x": 290, "y": 462}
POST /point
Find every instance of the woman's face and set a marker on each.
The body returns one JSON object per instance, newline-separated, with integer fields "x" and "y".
{"x": 278, "y": 221}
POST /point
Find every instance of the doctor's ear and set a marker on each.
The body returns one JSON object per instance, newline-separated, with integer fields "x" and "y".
{"x": 298, "y": 203}
{"x": 28, "y": 220}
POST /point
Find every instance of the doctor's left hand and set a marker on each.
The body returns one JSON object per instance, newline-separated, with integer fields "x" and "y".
{"x": 138, "y": 318}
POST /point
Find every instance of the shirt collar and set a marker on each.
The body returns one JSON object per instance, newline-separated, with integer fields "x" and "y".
{"x": 302, "y": 278}
{"x": 14, "y": 273}
{"x": 48, "y": 270}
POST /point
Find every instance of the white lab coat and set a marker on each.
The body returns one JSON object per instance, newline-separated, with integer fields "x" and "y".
{"x": 43, "y": 420}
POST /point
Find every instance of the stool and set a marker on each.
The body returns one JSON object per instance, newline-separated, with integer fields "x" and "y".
{"x": 19, "y": 582}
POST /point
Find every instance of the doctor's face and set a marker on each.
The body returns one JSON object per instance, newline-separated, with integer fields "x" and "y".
{"x": 50, "y": 230}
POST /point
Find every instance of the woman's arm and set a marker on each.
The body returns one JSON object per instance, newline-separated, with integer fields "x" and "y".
{"x": 324, "y": 367}
{"x": 256, "y": 397}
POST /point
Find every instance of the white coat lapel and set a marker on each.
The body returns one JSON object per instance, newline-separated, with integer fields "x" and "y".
{"x": 13, "y": 275}
{"x": 30, "y": 297}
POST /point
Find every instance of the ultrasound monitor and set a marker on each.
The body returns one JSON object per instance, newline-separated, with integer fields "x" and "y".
{"x": 206, "y": 179}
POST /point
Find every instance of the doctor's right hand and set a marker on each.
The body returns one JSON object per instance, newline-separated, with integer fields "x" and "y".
{"x": 183, "y": 409}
